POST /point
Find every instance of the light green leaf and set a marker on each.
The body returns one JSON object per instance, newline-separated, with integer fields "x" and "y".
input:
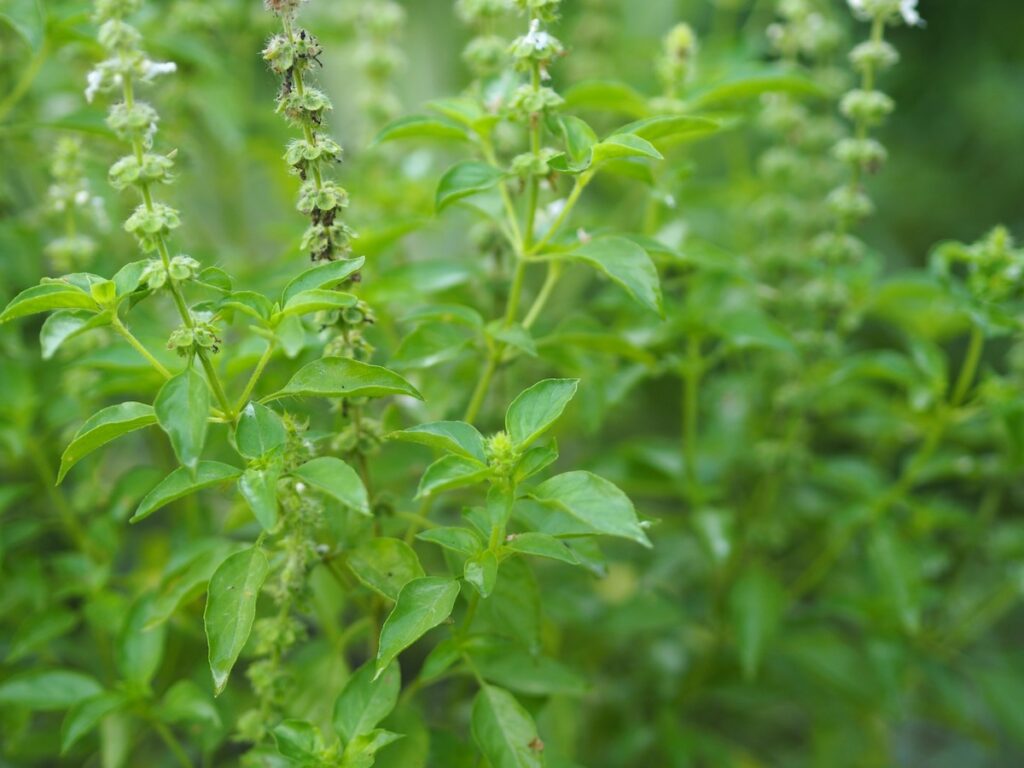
{"x": 45, "y": 298}
{"x": 140, "y": 645}
{"x": 607, "y": 95}
{"x": 65, "y": 324}
{"x": 362, "y": 751}
{"x": 338, "y": 480}
{"x": 465, "y": 179}
{"x": 188, "y": 580}
{"x": 385, "y": 565}
{"x": 85, "y": 716}
{"x": 308, "y": 302}
{"x": 481, "y": 570}
{"x": 259, "y": 431}
{"x": 422, "y": 605}
{"x": 259, "y": 489}
{"x": 542, "y": 545}
{"x": 48, "y": 690}
{"x": 581, "y": 503}
{"x": 231, "y": 609}
{"x": 421, "y": 127}
{"x": 324, "y": 275}
{"x": 625, "y": 263}
{"x": 456, "y": 437}
{"x": 298, "y": 741}
{"x": 102, "y": 428}
{"x": 27, "y": 18}
{"x": 514, "y": 335}
{"x": 38, "y": 630}
{"x": 621, "y": 145}
{"x": 182, "y": 408}
{"x": 342, "y": 377}
{"x": 450, "y": 472}
{"x": 366, "y": 700}
{"x": 756, "y": 603}
{"x": 181, "y": 482}
{"x": 465, "y": 541}
{"x": 674, "y": 127}
{"x": 186, "y": 702}
{"x": 504, "y": 731}
{"x": 527, "y": 673}
{"x": 536, "y": 409}
{"x": 750, "y": 87}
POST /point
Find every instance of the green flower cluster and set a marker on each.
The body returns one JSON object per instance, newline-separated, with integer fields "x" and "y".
{"x": 68, "y": 196}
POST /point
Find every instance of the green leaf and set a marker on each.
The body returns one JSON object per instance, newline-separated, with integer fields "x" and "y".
{"x": 385, "y": 565}
{"x": 182, "y": 408}
{"x": 581, "y": 503}
{"x": 750, "y": 87}
{"x": 85, "y": 716}
{"x": 481, "y": 570}
{"x": 298, "y": 741}
{"x": 45, "y": 298}
{"x": 422, "y": 605}
{"x": 421, "y": 127}
{"x": 450, "y": 472}
{"x": 181, "y": 482}
{"x": 514, "y": 335}
{"x": 579, "y": 138}
{"x": 338, "y": 480}
{"x": 432, "y": 344}
{"x": 671, "y": 127}
{"x": 362, "y": 750}
{"x": 28, "y": 19}
{"x": 524, "y": 672}
{"x": 456, "y": 437}
{"x": 463, "y": 180}
{"x": 39, "y": 630}
{"x": 259, "y": 489}
{"x": 534, "y": 460}
{"x": 186, "y": 702}
{"x": 48, "y": 690}
{"x": 542, "y": 545}
{"x": 621, "y": 145}
{"x": 504, "y": 731}
{"x": 321, "y": 276}
{"x": 897, "y": 575}
{"x": 140, "y": 645}
{"x": 465, "y": 541}
{"x": 188, "y": 580}
{"x": 625, "y": 263}
{"x": 756, "y": 605}
{"x": 255, "y": 305}
{"x": 752, "y": 329}
{"x": 259, "y": 431}
{"x": 107, "y": 425}
{"x": 343, "y": 377}
{"x": 65, "y": 324}
{"x": 536, "y": 409}
{"x": 366, "y": 700}
{"x": 308, "y": 302}
{"x": 231, "y": 609}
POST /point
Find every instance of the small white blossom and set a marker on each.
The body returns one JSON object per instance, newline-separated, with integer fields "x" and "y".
{"x": 537, "y": 38}
{"x": 94, "y": 82}
{"x": 300, "y": 487}
{"x": 908, "y": 9}
{"x": 151, "y": 69}
{"x": 81, "y": 197}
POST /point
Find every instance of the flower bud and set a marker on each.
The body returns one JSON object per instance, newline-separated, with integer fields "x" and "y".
{"x": 866, "y": 107}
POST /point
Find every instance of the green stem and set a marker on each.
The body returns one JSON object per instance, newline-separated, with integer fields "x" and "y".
{"x": 692, "y": 374}
{"x": 218, "y": 388}
{"x": 172, "y": 744}
{"x": 128, "y": 336}
{"x": 482, "y": 385}
{"x": 570, "y": 203}
{"x": 25, "y": 81}
{"x": 257, "y": 374}
{"x": 554, "y": 273}
{"x": 970, "y": 367}
{"x": 68, "y": 519}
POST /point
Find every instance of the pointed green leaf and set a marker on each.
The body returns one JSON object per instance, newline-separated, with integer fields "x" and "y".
{"x": 755, "y": 603}
{"x": 465, "y": 179}
{"x": 259, "y": 431}
{"x": 231, "y": 609}
{"x": 298, "y": 741}
{"x": 107, "y": 425}
{"x": 46, "y": 298}
{"x": 85, "y": 716}
{"x": 181, "y": 482}
{"x": 465, "y": 541}
{"x": 65, "y": 324}
{"x": 504, "y": 731}
{"x": 342, "y": 377}
{"x": 581, "y": 503}
{"x": 48, "y": 690}
{"x": 451, "y": 472}
{"x": 422, "y": 605}
{"x": 622, "y": 145}
{"x": 625, "y": 263}
{"x": 671, "y": 127}
{"x": 536, "y": 409}
{"x": 322, "y": 276}
{"x": 366, "y": 700}
{"x": 481, "y": 570}
{"x": 420, "y": 127}
{"x": 385, "y": 565}
{"x": 450, "y": 436}
{"x": 308, "y": 302}
{"x": 542, "y": 545}
{"x": 259, "y": 489}
{"x": 140, "y": 645}
{"x": 182, "y": 408}
{"x": 338, "y": 480}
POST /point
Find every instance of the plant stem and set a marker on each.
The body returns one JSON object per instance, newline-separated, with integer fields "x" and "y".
{"x": 554, "y": 273}
{"x": 570, "y": 203}
{"x": 482, "y": 385}
{"x": 119, "y": 326}
{"x": 257, "y": 373}
{"x": 970, "y": 367}
{"x": 693, "y": 371}
{"x": 172, "y": 744}
{"x": 25, "y": 81}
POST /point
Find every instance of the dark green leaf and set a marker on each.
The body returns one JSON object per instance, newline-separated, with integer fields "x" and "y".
{"x": 322, "y": 276}
{"x": 182, "y": 409}
{"x": 451, "y": 472}
{"x": 181, "y": 482}
{"x": 455, "y": 437}
{"x": 385, "y": 565}
{"x": 366, "y": 700}
{"x": 625, "y": 263}
{"x": 338, "y": 480}
{"x": 105, "y": 426}
{"x": 581, "y": 503}
{"x": 422, "y": 605}
{"x": 504, "y": 731}
{"x": 259, "y": 431}
{"x": 343, "y": 377}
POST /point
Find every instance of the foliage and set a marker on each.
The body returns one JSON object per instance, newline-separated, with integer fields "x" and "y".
{"x": 589, "y": 423}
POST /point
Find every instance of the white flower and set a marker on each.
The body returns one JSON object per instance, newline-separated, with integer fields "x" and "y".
{"x": 537, "y": 38}
{"x": 81, "y": 197}
{"x": 908, "y": 9}
{"x": 151, "y": 69}
{"x": 95, "y": 82}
